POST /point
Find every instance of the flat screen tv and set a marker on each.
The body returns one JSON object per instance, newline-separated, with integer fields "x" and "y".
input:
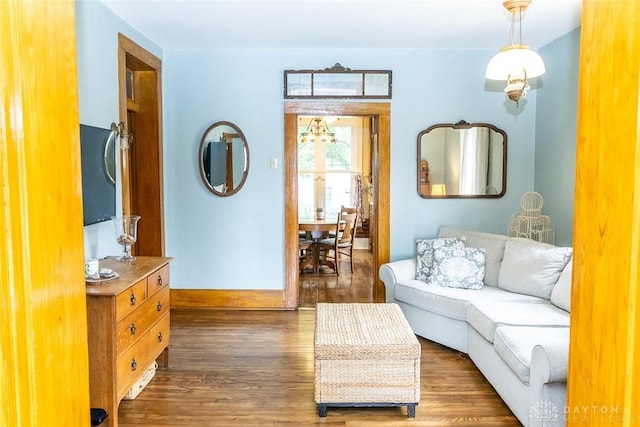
{"x": 97, "y": 148}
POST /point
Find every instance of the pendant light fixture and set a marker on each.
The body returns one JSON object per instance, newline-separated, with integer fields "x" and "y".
{"x": 317, "y": 130}
{"x": 516, "y": 62}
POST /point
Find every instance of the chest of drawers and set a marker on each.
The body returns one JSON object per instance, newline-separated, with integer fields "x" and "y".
{"x": 128, "y": 328}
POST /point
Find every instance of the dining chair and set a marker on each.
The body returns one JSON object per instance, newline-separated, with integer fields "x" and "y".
{"x": 344, "y": 210}
{"x": 341, "y": 244}
{"x": 305, "y": 252}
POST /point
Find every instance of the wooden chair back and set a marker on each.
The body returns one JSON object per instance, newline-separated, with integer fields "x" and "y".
{"x": 347, "y": 225}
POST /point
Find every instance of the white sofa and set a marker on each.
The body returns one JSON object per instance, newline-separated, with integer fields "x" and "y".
{"x": 515, "y": 328}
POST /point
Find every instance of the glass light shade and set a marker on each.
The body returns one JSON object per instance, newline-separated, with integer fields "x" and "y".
{"x": 511, "y": 60}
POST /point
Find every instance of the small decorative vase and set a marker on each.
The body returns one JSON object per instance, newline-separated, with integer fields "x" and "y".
{"x": 319, "y": 213}
{"x": 126, "y": 228}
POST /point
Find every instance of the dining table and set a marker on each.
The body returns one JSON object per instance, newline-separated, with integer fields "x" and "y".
{"x": 317, "y": 228}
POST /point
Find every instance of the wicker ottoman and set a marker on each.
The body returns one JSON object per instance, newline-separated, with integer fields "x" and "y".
{"x": 365, "y": 355}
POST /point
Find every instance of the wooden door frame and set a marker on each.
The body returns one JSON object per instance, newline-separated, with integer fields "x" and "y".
{"x": 43, "y": 333}
{"x": 603, "y": 382}
{"x": 380, "y": 152}
{"x": 147, "y": 105}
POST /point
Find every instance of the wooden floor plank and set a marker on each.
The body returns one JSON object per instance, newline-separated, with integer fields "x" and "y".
{"x": 326, "y": 286}
{"x": 255, "y": 368}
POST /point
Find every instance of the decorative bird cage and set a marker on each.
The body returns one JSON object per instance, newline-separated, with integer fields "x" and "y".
{"x": 530, "y": 223}
{"x": 531, "y": 204}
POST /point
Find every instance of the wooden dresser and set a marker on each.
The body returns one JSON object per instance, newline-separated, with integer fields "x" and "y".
{"x": 128, "y": 328}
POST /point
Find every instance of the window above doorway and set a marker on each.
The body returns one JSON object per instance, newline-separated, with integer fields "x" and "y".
{"x": 337, "y": 82}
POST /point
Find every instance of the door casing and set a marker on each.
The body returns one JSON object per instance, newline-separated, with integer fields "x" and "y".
{"x": 141, "y": 163}
{"x": 380, "y": 152}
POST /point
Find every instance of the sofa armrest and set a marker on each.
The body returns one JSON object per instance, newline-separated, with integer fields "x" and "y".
{"x": 394, "y": 272}
{"x": 549, "y": 363}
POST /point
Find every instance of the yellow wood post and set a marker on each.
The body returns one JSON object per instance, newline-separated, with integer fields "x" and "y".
{"x": 43, "y": 345}
{"x": 604, "y": 368}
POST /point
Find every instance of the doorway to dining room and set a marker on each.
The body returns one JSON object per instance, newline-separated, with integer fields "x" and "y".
{"x": 334, "y": 171}
{"x": 338, "y": 174}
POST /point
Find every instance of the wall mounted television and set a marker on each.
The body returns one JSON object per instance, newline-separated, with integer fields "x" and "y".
{"x": 98, "y": 158}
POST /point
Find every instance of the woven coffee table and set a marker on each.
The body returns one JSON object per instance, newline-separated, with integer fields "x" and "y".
{"x": 365, "y": 355}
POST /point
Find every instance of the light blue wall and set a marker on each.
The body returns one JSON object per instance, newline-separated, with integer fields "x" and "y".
{"x": 556, "y": 127}
{"x": 237, "y": 242}
{"x": 97, "y": 31}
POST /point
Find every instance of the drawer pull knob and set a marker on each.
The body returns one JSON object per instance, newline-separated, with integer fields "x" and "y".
{"x": 132, "y": 298}
{"x": 134, "y": 364}
{"x": 159, "y": 336}
{"x": 159, "y": 280}
{"x": 132, "y": 328}
{"x": 159, "y": 306}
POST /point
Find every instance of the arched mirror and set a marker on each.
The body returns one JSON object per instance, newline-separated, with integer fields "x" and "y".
{"x": 462, "y": 160}
{"x": 223, "y": 158}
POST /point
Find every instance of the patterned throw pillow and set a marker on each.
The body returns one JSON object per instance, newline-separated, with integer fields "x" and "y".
{"x": 456, "y": 267}
{"x": 424, "y": 251}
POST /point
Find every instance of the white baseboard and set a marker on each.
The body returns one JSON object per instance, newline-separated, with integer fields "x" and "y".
{"x": 361, "y": 243}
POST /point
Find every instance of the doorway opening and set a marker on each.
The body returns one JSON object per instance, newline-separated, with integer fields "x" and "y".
{"x": 140, "y": 88}
{"x": 378, "y": 117}
{"x": 334, "y": 171}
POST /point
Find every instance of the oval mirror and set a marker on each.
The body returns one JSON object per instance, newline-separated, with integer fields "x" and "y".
{"x": 462, "y": 160}
{"x": 223, "y": 158}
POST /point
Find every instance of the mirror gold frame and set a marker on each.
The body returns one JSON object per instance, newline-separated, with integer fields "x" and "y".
{"x": 462, "y": 160}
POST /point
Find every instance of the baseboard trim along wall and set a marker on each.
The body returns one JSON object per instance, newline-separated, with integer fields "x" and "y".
{"x": 226, "y": 298}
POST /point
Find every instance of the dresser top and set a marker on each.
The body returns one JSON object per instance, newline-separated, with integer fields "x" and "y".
{"x": 130, "y": 273}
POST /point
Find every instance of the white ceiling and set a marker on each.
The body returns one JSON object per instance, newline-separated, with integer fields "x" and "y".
{"x": 450, "y": 24}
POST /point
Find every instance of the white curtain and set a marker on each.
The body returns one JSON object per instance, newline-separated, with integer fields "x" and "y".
{"x": 357, "y": 196}
{"x": 474, "y": 160}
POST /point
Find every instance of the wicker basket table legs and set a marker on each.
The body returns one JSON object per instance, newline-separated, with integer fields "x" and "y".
{"x": 365, "y": 355}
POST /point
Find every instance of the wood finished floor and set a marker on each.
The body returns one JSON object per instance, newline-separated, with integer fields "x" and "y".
{"x": 255, "y": 368}
{"x": 326, "y": 286}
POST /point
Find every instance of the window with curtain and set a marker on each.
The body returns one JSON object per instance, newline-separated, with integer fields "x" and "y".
{"x": 327, "y": 173}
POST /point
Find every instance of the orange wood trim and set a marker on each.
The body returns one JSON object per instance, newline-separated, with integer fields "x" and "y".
{"x": 291, "y": 265}
{"x": 604, "y": 365}
{"x": 338, "y": 108}
{"x": 43, "y": 317}
{"x": 227, "y": 298}
{"x": 381, "y": 203}
{"x": 139, "y": 57}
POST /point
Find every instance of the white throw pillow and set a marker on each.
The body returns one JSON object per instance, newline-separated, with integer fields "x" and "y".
{"x": 493, "y": 244}
{"x": 530, "y": 267}
{"x": 458, "y": 267}
{"x": 561, "y": 294}
{"x": 424, "y": 252}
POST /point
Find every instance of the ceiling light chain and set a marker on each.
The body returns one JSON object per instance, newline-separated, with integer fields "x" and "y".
{"x": 517, "y": 61}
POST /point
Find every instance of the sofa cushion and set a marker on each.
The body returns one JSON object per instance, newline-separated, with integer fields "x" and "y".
{"x": 424, "y": 253}
{"x": 486, "y": 316}
{"x": 492, "y": 243}
{"x": 450, "y": 302}
{"x": 458, "y": 267}
{"x": 561, "y": 294}
{"x": 531, "y": 267}
{"x": 514, "y": 345}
